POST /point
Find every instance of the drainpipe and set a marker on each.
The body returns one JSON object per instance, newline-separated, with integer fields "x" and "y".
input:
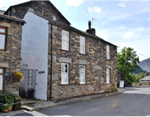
{"x": 51, "y": 62}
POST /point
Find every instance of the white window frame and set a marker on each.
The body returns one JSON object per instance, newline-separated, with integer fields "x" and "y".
{"x": 108, "y": 52}
{"x": 3, "y": 40}
{"x": 2, "y": 82}
{"x": 64, "y": 73}
{"x": 82, "y": 73}
{"x": 108, "y": 75}
{"x": 54, "y": 18}
{"x": 82, "y": 45}
{"x": 65, "y": 40}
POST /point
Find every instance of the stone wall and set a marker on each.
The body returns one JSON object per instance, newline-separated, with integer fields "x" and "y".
{"x": 10, "y": 59}
{"x": 94, "y": 59}
{"x": 41, "y": 8}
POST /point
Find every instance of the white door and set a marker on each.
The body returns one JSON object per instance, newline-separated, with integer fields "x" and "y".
{"x": 1, "y": 79}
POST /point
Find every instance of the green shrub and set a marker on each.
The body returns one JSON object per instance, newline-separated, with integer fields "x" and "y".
{"x": 7, "y": 98}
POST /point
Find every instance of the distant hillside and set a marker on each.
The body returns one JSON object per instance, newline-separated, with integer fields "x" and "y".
{"x": 145, "y": 65}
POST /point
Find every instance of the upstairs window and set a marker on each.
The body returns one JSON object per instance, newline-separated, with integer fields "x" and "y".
{"x": 54, "y": 17}
{"x": 2, "y": 38}
{"x": 82, "y": 45}
{"x": 65, "y": 40}
{"x": 82, "y": 74}
{"x": 64, "y": 73}
{"x": 107, "y": 52}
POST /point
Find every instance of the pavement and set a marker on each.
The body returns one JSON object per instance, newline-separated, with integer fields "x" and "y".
{"x": 135, "y": 101}
{"x": 32, "y": 105}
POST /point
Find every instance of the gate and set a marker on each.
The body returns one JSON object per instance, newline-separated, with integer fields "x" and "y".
{"x": 29, "y": 81}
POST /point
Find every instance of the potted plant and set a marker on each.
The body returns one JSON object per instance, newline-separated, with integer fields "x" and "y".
{"x": 7, "y": 107}
{"x": 7, "y": 100}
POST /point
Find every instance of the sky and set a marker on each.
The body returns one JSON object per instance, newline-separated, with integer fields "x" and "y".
{"x": 125, "y": 23}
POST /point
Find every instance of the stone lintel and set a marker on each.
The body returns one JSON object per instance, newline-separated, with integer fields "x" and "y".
{"x": 83, "y": 62}
{"x": 97, "y": 67}
{"x": 65, "y": 60}
{"x": 4, "y": 64}
{"x": 108, "y": 66}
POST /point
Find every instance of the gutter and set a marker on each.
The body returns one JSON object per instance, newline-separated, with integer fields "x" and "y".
{"x": 51, "y": 62}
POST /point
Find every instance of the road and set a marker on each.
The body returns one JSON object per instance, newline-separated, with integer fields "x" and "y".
{"x": 133, "y": 102}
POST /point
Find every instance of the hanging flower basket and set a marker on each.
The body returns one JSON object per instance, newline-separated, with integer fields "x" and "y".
{"x": 18, "y": 76}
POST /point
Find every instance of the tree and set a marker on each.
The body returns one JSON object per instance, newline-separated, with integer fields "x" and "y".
{"x": 127, "y": 61}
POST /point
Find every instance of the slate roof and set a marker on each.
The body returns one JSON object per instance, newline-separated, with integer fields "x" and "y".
{"x": 12, "y": 18}
{"x": 146, "y": 78}
{"x": 39, "y": 0}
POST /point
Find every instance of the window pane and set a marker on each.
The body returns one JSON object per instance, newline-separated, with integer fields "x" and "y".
{"x": 2, "y": 41}
{"x": 1, "y": 71}
{"x": 2, "y": 30}
{"x": 1, "y": 82}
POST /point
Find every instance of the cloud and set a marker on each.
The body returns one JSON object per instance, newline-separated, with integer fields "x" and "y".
{"x": 128, "y": 35}
{"x": 121, "y": 5}
{"x": 2, "y": 2}
{"x": 75, "y": 3}
{"x": 103, "y": 34}
{"x": 103, "y": 23}
{"x": 95, "y": 9}
{"x": 140, "y": 29}
{"x": 145, "y": 10}
{"x": 119, "y": 17}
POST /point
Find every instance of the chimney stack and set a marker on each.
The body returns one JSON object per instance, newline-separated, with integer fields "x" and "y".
{"x": 90, "y": 30}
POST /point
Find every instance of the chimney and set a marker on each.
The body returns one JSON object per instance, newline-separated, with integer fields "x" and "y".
{"x": 90, "y": 30}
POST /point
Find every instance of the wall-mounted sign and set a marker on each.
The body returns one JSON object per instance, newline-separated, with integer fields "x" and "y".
{"x": 41, "y": 72}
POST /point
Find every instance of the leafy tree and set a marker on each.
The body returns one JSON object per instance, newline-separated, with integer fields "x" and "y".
{"x": 127, "y": 61}
{"x": 137, "y": 77}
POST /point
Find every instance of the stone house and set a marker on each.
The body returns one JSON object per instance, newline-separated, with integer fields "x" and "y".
{"x": 10, "y": 50}
{"x": 70, "y": 62}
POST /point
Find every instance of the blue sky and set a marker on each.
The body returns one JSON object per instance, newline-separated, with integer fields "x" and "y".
{"x": 122, "y": 22}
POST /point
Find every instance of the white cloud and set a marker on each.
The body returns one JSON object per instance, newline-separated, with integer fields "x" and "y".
{"x": 2, "y": 2}
{"x": 75, "y": 3}
{"x": 95, "y": 9}
{"x": 145, "y": 10}
{"x": 121, "y": 5}
{"x": 128, "y": 35}
{"x": 119, "y": 17}
{"x": 103, "y": 34}
{"x": 103, "y": 23}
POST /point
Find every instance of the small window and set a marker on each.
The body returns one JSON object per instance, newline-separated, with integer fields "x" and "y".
{"x": 65, "y": 40}
{"x": 108, "y": 76}
{"x": 1, "y": 78}
{"x": 82, "y": 45}
{"x": 2, "y": 38}
{"x": 108, "y": 51}
{"x": 64, "y": 73}
{"x": 82, "y": 74}
{"x": 54, "y": 17}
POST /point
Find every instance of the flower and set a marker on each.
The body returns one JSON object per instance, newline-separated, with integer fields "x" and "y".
{"x": 17, "y": 76}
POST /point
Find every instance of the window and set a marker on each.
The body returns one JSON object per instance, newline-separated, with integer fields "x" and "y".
{"x": 1, "y": 78}
{"x": 108, "y": 76}
{"x": 82, "y": 74}
{"x": 65, "y": 40}
{"x": 82, "y": 45}
{"x": 2, "y": 38}
{"x": 54, "y": 17}
{"x": 64, "y": 73}
{"x": 107, "y": 51}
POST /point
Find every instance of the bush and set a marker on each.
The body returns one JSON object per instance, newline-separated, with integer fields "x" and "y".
{"x": 137, "y": 77}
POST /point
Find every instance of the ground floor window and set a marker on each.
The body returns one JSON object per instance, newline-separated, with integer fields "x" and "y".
{"x": 64, "y": 73}
{"x": 1, "y": 78}
{"x": 108, "y": 76}
{"x": 82, "y": 74}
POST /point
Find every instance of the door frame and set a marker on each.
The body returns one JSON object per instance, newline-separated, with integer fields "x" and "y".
{"x": 3, "y": 72}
